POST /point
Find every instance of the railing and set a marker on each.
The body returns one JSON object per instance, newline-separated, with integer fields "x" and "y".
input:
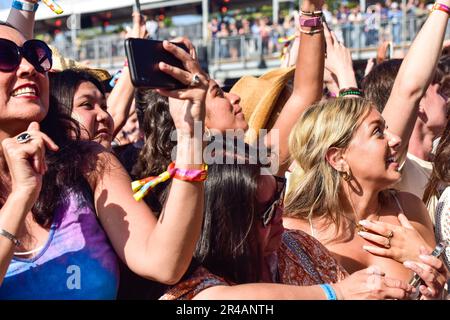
{"x": 108, "y": 51}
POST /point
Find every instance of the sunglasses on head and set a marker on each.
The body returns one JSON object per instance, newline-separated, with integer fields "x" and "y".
{"x": 34, "y": 51}
{"x": 277, "y": 200}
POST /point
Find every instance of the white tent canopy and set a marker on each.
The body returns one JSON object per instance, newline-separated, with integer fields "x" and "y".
{"x": 90, "y": 6}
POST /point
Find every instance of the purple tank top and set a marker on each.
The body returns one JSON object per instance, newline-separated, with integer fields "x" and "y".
{"x": 77, "y": 262}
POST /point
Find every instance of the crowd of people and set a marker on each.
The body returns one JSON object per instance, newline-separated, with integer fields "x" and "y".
{"x": 301, "y": 184}
{"x": 380, "y": 22}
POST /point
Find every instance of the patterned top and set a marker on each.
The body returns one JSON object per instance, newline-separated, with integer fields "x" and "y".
{"x": 77, "y": 262}
{"x": 443, "y": 223}
{"x": 302, "y": 260}
{"x": 199, "y": 280}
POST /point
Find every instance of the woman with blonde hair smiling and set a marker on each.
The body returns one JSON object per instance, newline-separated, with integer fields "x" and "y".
{"x": 348, "y": 159}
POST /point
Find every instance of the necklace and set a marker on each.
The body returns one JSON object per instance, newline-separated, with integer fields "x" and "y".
{"x": 357, "y": 225}
{"x": 26, "y": 253}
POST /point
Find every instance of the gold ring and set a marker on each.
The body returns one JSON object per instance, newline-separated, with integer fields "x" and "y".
{"x": 388, "y": 244}
{"x": 390, "y": 235}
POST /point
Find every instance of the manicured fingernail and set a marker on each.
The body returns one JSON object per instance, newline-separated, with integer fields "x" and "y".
{"x": 423, "y": 256}
{"x": 363, "y": 234}
{"x": 408, "y": 264}
{"x": 364, "y": 222}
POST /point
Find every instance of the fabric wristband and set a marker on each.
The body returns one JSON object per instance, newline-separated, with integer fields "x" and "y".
{"x": 441, "y": 7}
{"x": 310, "y": 21}
{"x": 143, "y": 186}
{"x": 329, "y": 291}
{"x": 25, "y": 6}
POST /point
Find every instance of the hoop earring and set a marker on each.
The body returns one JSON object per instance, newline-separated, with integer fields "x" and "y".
{"x": 207, "y": 133}
{"x": 347, "y": 176}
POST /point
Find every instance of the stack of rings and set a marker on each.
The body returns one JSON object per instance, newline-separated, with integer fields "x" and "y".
{"x": 23, "y": 137}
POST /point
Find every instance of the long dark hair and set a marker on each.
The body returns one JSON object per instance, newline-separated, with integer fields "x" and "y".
{"x": 441, "y": 167}
{"x": 228, "y": 245}
{"x": 157, "y": 124}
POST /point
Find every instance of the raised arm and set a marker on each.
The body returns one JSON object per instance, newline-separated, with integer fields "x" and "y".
{"x": 339, "y": 61}
{"x": 23, "y": 20}
{"x": 308, "y": 82}
{"x": 121, "y": 97}
{"x": 415, "y": 75}
{"x": 160, "y": 249}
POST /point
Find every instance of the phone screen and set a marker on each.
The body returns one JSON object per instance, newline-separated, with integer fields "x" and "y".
{"x": 143, "y": 58}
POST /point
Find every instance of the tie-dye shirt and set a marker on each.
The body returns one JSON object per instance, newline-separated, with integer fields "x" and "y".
{"x": 77, "y": 262}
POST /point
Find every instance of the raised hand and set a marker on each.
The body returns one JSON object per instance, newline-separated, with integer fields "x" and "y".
{"x": 339, "y": 60}
{"x": 187, "y": 106}
{"x": 25, "y": 156}
{"x": 139, "y": 29}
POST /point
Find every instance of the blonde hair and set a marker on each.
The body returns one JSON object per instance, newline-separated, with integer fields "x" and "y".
{"x": 316, "y": 187}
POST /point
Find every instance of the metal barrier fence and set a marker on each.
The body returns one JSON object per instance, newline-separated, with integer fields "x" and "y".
{"x": 108, "y": 51}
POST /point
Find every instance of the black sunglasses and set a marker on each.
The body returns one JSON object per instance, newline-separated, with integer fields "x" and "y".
{"x": 35, "y": 51}
{"x": 277, "y": 201}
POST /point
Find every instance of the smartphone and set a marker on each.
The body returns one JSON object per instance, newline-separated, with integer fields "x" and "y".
{"x": 144, "y": 56}
{"x": 137, "y": 6}
{"x": 389, "y": 51}
{"x": 416, "y": 281}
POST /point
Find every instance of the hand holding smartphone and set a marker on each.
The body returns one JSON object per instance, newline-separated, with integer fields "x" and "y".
{"x": 416, "y": 281}
{"x": 144, "y": 57}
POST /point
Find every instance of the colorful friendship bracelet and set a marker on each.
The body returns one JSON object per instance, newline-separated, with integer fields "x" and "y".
{"x": 53, "y": 6}
{"x": 142, "y": 187}
{"x": 441, "y": 7}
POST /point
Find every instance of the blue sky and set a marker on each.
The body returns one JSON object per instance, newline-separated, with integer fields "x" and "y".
{"x": 5, "y": 4}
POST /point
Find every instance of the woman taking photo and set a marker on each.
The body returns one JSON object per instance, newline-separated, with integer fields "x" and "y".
{"x": 66, "y": 205}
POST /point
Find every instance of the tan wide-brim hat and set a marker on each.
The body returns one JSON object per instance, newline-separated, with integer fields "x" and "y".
{"x": 263, "y": 98}
{"x": 60, "y": 64}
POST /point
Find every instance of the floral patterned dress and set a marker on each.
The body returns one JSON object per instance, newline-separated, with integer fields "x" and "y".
{"x": 302, "y": 260}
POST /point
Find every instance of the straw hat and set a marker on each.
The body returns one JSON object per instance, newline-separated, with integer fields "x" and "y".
{"x": 60, "y": 63}
{"x": 263, "y": 98}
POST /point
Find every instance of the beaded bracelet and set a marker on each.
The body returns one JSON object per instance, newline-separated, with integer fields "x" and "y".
{"x": 143, "y": 186}
{"x": 440, "y": 7}
{"x": 350, "y": 92}
{"x": 317, "y": 13}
